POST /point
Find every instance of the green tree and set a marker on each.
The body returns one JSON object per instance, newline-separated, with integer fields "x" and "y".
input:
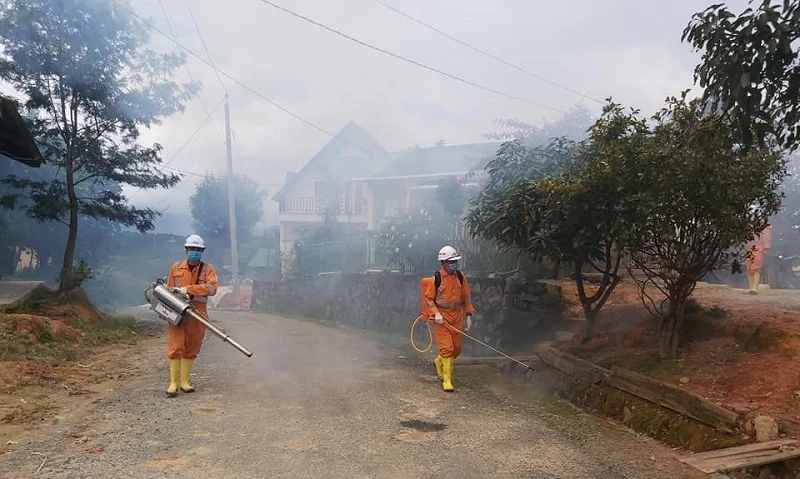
{"x": 749, "y": 68}
{"x": 701, "y": 199}
{"x": 581, "y": 216}
{"x": 91, "y": 84}
{"x": 413, "y": 237}
{"x": 209, "y": 208}
{"x": 573, "y": 125}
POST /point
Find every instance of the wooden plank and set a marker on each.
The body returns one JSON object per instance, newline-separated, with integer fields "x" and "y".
{"x": 673, "y": 398}
{"x": 714, "y": 462}
{"x": 732, "y": 451}
{"x": 724, "y": 463}
{"x": 734, "y": 462}
{"x": 572, "y": 365}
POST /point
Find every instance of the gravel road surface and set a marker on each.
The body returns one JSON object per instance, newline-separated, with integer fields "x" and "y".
{"x": 320, "y": 402}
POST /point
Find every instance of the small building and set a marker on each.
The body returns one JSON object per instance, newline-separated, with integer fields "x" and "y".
{"x": 324, "y": 186}
{"x": 413, "y": 177}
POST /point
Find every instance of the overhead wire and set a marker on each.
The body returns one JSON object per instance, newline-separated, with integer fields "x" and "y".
{"x": 224, "y": 73}
{"x": 185, "y": 143}
{"x": 205, "y": 47}
{"x": 313, "y": 125}
{"x": 185, "y": 65}
{"x": 199, "y": 127}
{"x": 485, "y": 53}
{"x": 408, "y": 60}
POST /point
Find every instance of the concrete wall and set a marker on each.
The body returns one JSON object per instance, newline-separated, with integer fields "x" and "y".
{"x": 510, "y": 313}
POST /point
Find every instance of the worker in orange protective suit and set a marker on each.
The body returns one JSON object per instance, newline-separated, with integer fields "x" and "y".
{"x": 757, "y": 248}
{"x": 197, "y": 280}
{"x": 449, "y": 302}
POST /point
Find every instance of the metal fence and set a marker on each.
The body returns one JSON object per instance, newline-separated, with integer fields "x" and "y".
{"x": 311, "y": 258}
{"x": 361, "y": 252}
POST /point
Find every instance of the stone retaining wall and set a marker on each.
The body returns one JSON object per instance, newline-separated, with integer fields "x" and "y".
{"x": 510, "y": 313}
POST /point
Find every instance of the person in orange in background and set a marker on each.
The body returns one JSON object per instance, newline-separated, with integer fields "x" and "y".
{"x": 449, "y": 300}
{"x": 196, "y": 280}
{"x": 757, "y": 248}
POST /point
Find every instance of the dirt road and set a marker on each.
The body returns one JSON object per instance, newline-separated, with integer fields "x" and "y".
{"x": 318, "y": 402}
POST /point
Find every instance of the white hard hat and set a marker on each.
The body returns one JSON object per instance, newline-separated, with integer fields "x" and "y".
{"x": 448, "y": 253}
{"x": 195, "y": 241}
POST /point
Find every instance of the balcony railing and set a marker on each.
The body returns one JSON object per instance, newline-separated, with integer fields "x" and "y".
{"x": 314, "y": 206}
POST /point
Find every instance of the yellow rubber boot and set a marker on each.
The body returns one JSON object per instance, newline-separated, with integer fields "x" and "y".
{"x": 174, "y": 377}
{"x": 186, "y": 369}
{"x": 438, "y": 363}
{"x": 756, "y": 281}
{"x": 447, "y": 374}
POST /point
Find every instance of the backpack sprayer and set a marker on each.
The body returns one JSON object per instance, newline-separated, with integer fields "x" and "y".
{"x": 427, "y": 316}
{"x": 175, "y": 308}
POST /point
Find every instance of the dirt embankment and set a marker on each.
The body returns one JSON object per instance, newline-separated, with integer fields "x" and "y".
{"x": 54, "y": 353}
{"x": 739, "y": 349}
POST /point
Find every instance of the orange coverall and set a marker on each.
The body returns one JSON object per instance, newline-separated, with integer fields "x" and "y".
{"x": 758, "y": 247}
{"x": 452, "y": 301}
{"x": 184, "y": 341}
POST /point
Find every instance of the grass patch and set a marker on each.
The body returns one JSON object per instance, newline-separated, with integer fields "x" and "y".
{"x": 758, "y": 339}
{"x": 113, "y": 329}
{"x": 645, "y": 362}
{"x": 642, "y": 416}
{"x": 34, "y": 300}
{"x": 24, "y": 338}
{"x": 25, "y": 346}
{"x": 701, "y": 324}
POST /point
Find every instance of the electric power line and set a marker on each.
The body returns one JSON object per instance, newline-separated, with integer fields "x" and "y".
{"x": 192, "y": 173}
{"x": 225, "y": 74}
{"x": 189, "y": 139}
{"x": 230, "y": 77}
{"x": 485, "y": 53}
{"x": 185, "y": 65}
{"x": 205, "y": 47}
{"x": 405, "y": 59}
{"x": 199, "y": 127}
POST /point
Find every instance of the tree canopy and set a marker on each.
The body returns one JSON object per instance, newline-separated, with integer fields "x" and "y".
{"x": 566, "y": 202}
{"x": 701, "y": 199}
{"x": 749, "y": 69}
{"x": 675, "y": 194}
{"x": 90, "y": 86}
{"x": 209, "y": 208}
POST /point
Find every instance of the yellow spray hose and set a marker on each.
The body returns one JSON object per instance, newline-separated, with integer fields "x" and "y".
{"x": 455, "y": 330}
{"x": 430, "y": 335}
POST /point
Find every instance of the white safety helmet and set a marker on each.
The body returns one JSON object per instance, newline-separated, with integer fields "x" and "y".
{"x": 448, "y": 253}
{"x": 195, "y": 241}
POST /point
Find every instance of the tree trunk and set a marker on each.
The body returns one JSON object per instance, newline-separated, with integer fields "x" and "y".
{"x": 669, "y": 330}
{"x": 556, "y": 268}
{"x": 68, "y": 267}
{"x": 591, "y": 326}
{"x": 588, "y": 315}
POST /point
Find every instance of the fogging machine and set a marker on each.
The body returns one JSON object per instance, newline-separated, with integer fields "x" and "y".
{"x": 175, "y": 308}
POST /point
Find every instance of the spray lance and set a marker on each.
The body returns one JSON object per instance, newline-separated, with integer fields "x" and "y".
{"x": 426, "y": 316}
{"x": 175, "y": 308}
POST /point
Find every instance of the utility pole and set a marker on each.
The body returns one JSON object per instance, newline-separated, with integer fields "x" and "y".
{"x": 231, "y": 204}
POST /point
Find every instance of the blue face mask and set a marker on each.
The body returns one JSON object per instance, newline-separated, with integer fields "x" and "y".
{"x": 194, "y": 256}
{"x": 453, "y": 266}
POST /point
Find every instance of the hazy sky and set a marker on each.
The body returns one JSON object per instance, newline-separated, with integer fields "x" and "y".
{"x": 629, "y": 49}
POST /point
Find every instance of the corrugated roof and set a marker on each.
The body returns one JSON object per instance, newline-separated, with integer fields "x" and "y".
{"x": 440, "y": 160}
{"x": 16, "y": 141}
